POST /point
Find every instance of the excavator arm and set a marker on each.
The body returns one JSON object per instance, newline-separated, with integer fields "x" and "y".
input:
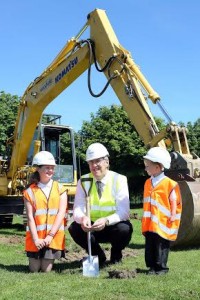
{"x": 103, "y": 49}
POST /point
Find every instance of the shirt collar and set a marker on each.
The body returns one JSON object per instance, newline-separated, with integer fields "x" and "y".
{"x": 157, "y": 179}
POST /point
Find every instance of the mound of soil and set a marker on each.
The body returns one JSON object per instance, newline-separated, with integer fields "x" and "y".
{"x": 122, "y": 274}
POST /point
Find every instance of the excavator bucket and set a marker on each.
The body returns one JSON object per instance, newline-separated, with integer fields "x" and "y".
{"x": 189, "y": 231}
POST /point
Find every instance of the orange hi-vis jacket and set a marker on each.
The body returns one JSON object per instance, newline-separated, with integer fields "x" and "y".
{"x": 45, "y": 212}
{"x": 157, "y": 210}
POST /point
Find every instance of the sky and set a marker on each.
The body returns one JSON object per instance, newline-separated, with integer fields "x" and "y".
{"x": 163, "y": 37}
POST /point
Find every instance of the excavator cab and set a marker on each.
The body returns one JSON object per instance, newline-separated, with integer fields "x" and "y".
{"x": 54, "y": 137}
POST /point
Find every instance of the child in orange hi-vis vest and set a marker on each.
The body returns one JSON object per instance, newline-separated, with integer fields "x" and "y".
{"x": 46, "y": 203}
{"x": 161, "y": 210}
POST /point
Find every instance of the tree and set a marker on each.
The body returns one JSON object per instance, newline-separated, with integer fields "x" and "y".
{"x": 8, "y": 112}
{"x": 112, "y": 127}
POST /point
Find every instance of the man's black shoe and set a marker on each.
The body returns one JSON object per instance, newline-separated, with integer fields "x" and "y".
{"x": 116, "y": 256}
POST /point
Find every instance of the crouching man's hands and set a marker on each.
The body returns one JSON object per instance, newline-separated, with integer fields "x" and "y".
{"x": 99, "y": 224}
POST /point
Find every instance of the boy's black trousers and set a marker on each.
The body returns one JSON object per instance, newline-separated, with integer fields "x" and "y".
{"x": 156, "y": 251}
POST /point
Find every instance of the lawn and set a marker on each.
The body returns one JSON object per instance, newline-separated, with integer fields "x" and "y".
{"x": 67, "y": 282}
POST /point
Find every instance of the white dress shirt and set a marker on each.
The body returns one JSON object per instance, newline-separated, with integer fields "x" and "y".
{"x": 121, "y": 199}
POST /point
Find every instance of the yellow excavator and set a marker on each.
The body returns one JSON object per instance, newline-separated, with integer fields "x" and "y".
{"x": 103, "y": 50}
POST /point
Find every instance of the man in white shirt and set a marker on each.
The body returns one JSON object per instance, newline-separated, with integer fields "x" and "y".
{"x": 109, "y": 207}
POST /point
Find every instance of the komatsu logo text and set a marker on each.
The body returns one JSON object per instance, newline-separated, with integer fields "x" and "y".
{"x": 46, "y": 85}
{"x": 66, "y": 70}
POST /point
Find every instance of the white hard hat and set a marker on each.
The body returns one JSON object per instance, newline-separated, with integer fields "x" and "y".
{"x": 160, "y": 155}
{"x": 43, "y": 158}
{"x": 96, "y": 150}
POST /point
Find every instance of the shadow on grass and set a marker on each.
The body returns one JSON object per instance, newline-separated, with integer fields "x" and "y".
{"x": 64, "y": 267}
{"x": 141, "y": 271}
{"x": 15, "y": 268}
{"x": 73, "y": 267}
{"x": 136, "y": 246}
{"x": 17, "y": 229}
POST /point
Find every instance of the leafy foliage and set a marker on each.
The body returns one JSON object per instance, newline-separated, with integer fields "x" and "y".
{"x": 112, "y": 127}
{"x": 194, "y": 137}
{"x": 8, "y": 111}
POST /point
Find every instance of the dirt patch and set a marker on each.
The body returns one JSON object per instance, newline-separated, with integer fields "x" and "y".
{"x": 14, "y": 239}
{"x": 135, "y": 216}
{"x": 78, "y": 255}
{"x": 71, "y": 254}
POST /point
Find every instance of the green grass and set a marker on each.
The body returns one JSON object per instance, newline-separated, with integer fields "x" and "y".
{"x": 67, "y": 282}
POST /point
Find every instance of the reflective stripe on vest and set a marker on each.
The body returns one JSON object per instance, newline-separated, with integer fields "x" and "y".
{"x": 105, "y": 206}
{"x": 160, "y": 207}
{"x": 157, "y": 211}
{"x": 44, "y": 212}
{"x": 44, "y": 227}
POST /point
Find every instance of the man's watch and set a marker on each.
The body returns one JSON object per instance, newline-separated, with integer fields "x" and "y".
{"x": 107, "y": 222}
